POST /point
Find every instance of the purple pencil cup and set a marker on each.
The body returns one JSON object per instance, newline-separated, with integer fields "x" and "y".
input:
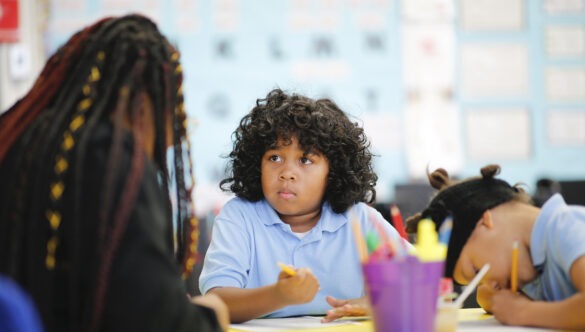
{"x": 403, "y": 294}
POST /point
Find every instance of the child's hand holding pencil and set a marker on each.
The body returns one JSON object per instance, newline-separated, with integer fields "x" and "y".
{"x": 295, "y": 286}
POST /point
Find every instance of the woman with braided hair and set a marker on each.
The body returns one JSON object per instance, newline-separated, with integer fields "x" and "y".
{"x": 86, "y": 221}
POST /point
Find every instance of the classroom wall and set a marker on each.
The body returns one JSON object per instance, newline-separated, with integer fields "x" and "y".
{"x": 21, "y": 61}
{"x": 456, "y": 84}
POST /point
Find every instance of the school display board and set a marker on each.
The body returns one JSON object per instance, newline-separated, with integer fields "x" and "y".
{"x": 455, "y": 84}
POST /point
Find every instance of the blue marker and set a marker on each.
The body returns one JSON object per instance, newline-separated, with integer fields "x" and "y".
{"x": 445, "y": 230}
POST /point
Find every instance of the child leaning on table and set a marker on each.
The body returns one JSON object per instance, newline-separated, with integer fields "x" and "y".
{"x": 301, "y": 172}
{"x": 489, "y": 215}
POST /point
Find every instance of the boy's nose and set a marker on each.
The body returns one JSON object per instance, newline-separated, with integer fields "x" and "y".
{"x": 287, "y": 174}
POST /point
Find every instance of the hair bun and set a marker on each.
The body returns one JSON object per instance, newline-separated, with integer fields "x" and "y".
{"x": 489, "y": 171}
{"x": 439, "y": 178}
{"x": 412, "y": 223}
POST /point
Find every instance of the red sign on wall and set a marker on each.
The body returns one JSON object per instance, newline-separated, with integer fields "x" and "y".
{"x": 8, "y": 21}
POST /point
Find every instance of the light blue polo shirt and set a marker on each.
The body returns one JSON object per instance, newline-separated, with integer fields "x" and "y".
{"x": 557, "y": 240}
{"x": 249, "y": 238}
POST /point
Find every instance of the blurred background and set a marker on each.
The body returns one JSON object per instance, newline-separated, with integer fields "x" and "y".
{"x": 436, "y": 83}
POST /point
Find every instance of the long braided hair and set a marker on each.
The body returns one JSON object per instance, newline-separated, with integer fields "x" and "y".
{"x": 100, "y": 75}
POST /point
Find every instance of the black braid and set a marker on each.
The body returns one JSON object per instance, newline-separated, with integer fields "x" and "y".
{"x": 112, "y": 47}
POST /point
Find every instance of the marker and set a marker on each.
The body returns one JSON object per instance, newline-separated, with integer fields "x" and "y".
{"x": 428, "y": 247}
{"x": 514, "y": 276}
{"x": 287, "y": 269}
{"x": 445, "y": 230}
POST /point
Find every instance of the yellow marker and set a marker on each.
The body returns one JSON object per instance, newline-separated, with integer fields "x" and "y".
{"x": 514, "y": 276}
{"x": 428, "y": 247}
{"x": 287, "y": 269}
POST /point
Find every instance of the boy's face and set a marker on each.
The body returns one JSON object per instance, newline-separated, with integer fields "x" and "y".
{"x": 488, "y": 243}
{"x": 294, "y": 183}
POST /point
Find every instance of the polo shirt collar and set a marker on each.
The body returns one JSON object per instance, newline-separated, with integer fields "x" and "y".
{"x": 328, "y": 222}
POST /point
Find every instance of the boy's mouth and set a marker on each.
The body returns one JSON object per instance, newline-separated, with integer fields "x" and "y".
{"x": 286, "y": 194}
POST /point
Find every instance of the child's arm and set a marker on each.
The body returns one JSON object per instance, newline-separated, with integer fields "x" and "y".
{"x": 245, "y": 304}
{"x": 514, "y": 309}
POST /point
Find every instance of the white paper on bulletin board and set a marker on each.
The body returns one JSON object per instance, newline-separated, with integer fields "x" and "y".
{"x": 565, "y": 84}
{"x": 498, "y": 133}
{"x": 491, "y": 15}
{"x": 384, "y": 130}
{"x": 566, "y": 127}
{"x": 428, "y": 51}
{"x": 68, "y": 5}
{"x": 568, "y": 7}
{"x": 565, "y": 41}
{"x": 432, "y": 136}
{"x": 494, "y": 70}
{"x": 428, "y": 10}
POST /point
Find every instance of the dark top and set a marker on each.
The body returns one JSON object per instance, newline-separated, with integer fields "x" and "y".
{"x": 144, "y": 289}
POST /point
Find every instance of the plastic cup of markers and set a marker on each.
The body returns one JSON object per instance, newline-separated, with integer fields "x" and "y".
{"x": 403, "y": 293}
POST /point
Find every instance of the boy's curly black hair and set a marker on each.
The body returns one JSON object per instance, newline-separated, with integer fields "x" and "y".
{"x": 317, "y": 124}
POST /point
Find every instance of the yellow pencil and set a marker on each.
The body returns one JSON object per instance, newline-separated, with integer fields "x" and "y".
{"x": 514, "y": 276}
{"x": 287, "y": 269}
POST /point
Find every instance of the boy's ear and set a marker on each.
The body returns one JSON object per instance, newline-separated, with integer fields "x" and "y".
{"x": 486, "y": 219}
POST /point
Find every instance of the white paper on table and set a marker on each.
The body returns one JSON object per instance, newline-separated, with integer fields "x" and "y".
{"x": 290, "y": 323}
{"x": 491, "y": 324}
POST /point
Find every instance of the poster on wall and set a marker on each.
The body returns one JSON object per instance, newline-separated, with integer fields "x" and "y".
{"x": 488, "y": 15}
{"x": 8, "y": 21}
{"x": 566, "y": 84}
{"x": 494, "y": 70}
{"x": 565, "y": 127}
{"x": 498, "y": 133}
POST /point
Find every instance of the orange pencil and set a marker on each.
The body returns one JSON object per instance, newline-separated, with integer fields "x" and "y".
{"x": 359, "y": 241}
{"x": 514, "y": 274}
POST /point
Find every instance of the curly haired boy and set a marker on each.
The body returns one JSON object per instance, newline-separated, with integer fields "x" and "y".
{"x": 301, "y": 172}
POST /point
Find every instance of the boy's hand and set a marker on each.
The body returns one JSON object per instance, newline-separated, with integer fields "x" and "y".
{"x": 507, "y": 307}
{"x": 297, "y": 289}
{"x": 343, "y": 308}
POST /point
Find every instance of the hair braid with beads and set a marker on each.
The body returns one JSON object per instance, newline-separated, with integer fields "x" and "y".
{"x": 99, "y": 75}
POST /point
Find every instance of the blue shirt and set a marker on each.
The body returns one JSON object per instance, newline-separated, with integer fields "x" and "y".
{"x": 249, "y": 238}
{"x": 557, "y": 240}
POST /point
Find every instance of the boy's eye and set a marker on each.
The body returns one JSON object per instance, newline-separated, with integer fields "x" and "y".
{"x": 306, "y": 161}
{"x": 274, "y": 158}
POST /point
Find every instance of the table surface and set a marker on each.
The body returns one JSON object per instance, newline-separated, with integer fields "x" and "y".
{"x": 468, "y": 320}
